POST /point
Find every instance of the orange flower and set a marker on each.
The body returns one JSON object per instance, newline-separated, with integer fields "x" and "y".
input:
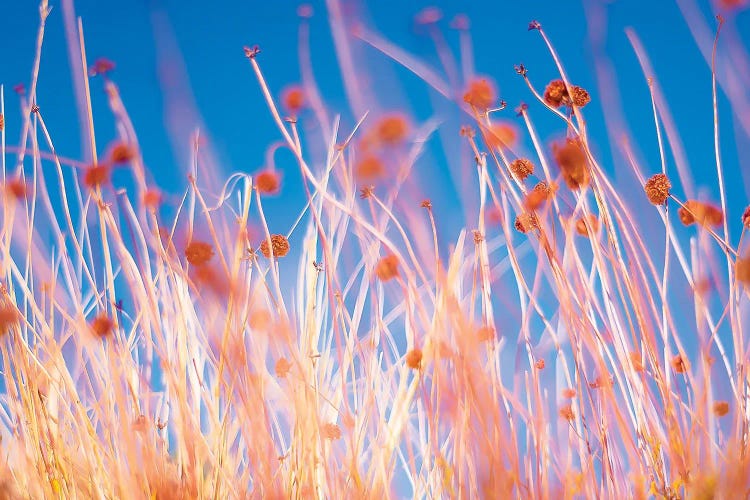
{"x": 568, "y": 393}
{"x": 593, "y": 223}
{"x": 566, "y": 412}
{"x": 526, "y": 222}
{"x": 282, "y": 367}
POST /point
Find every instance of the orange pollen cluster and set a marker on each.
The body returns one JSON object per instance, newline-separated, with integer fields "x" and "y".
{"x": 480, "y": 93}
{"x": 522, "y": 168}
{"x": 657, "y": 189}
{"x": 198, "y": 253}
{"x": 279, "y": 246}
{"x": 387, "y": 268}
{"x": 703, "y": 214}
{"x": 556, "y": 95}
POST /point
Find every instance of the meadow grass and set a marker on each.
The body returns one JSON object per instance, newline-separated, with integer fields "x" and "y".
{"x": 368, "y": 351}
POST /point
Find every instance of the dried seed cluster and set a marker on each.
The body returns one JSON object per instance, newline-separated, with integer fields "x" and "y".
{"x": 556, "y": 95}
{"x": 387, "y": 268}
{"x": 573, "y": 162}
{"x": 657, "y": 189}
{"x": 522, "y": 168}
{"x": 703, "y": 214}
{"x": 279, "y": 246}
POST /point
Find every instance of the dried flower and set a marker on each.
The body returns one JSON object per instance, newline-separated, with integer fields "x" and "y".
{"x": 199, "y": 253}
{"x": 387, "y": 267}
{"x": 369, "y": 168}
{"x": 657, "y": 189}
{"x": 721, "y": 408}
{"x": 566, "y": 412}
{"x": 481, "y": 94}
{"x": 568, "y": 393}
{"x": 279, "y": 245}
{"x": 485, "y": 333}
{"x": 478, "y": 237}
{"x": 522, "y": 168}
{"x": 96, "y": 175}
{"x": 101, "y": 66}
{"x": 293, "y": 99}
{"x": 331, "y": 431}
{"x": 584, "y": 223}
{"x": 414, "y": 359}
{"x": 121, "y": 152}
{"x": 392, "y": 129}
{"x": 746, "y": 217}
{"x": 102, "y": 325}
{"x": 9, "y": 317}
{"x": 678, "y": 364}
{"x": 556, "y": 95}
{"x": 704, "y": 214}
{"x": 526, "y": 222}
{"x": 282, "y": 367}
{"x": 573, "y": 162}
{"x": 635, "y": 361}
{"x": 501, "y": 135}
{"x": 16, "y": 188}
{"x": 426, "y": 204}
{"x": 268, "y": 182}
{"x": 742, "y": 270}
{"x": 539, "y": 364}
{"x": 152, "y": 198}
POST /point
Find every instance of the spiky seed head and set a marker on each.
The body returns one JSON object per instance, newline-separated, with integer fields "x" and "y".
{"x": 539, "y": 364}
{"x": 279, "y": 246}
{"x": 580, "y": 96}
{"x": 522, "y": 168}
{"x": 657, "y": 189}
